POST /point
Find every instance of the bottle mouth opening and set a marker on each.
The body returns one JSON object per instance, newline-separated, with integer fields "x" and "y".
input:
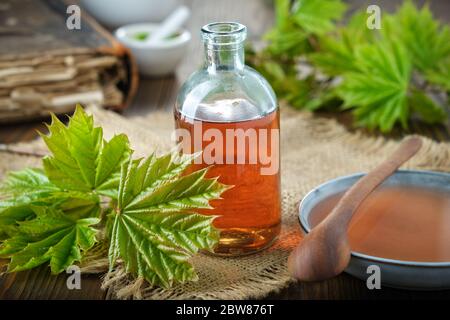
{"x": 223, "y": 28}
{"x": 224, "y": 33}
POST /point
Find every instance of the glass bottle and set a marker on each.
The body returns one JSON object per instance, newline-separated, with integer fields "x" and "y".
{"x": 230, "y": 112}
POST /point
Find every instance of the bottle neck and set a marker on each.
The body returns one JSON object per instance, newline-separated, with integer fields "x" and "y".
{"x": 224, "y": 58}
{"x": 224, "y": 46}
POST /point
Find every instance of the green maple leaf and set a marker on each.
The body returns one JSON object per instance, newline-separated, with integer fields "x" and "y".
{"x": 9, "y": 216}
{"x": 52, "y": 236}
{"x": 427, "y": 40}
{"x": 26, "y": 182}
{"x": 47, "y": 216}
{"x": 296, "y": 22}
{"x": 318, "y": 16}
{"x": 81, "y": 159}
{"x": 19, "y": 190}
{"x": 286, "y": 37}
{"x": 337, "y": 51}
{"x": 381, "y": 92}
{"x": 27, "y": 186}
{"x": 31, "y": 187}
{"x": 153, "y": 229}
{"x": 385, "y": 76}
{"x": 378, "y": 92}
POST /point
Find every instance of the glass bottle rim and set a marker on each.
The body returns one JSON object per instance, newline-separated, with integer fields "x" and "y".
{"x": 224, "y": 33}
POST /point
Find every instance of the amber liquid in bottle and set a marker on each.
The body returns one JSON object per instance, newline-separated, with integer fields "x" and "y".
{"x": 229, "y": 111}
{"x": 249, "y": 212}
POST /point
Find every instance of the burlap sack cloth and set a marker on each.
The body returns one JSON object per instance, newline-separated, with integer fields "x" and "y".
{"x": 314, "y": 150}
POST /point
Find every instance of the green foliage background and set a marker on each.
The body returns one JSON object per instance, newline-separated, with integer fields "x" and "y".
{"x": 316, "y": 61}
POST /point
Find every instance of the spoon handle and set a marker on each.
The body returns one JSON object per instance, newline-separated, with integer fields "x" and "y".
{"x": 346, "y": 207}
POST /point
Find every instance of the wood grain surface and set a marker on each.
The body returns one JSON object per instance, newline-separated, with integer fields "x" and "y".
{"x": 159, "y": 94}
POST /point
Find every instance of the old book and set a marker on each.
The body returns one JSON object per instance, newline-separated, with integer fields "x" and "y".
{"x": 46, "y": 67}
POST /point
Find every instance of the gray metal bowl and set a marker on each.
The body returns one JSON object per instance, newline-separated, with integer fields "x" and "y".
{"x": 394, "y": 273}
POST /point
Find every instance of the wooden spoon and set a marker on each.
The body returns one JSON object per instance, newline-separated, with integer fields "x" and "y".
{"x": 325, "y": 251}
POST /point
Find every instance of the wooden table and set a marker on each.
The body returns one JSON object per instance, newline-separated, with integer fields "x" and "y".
{"x": 159, "y": 94}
